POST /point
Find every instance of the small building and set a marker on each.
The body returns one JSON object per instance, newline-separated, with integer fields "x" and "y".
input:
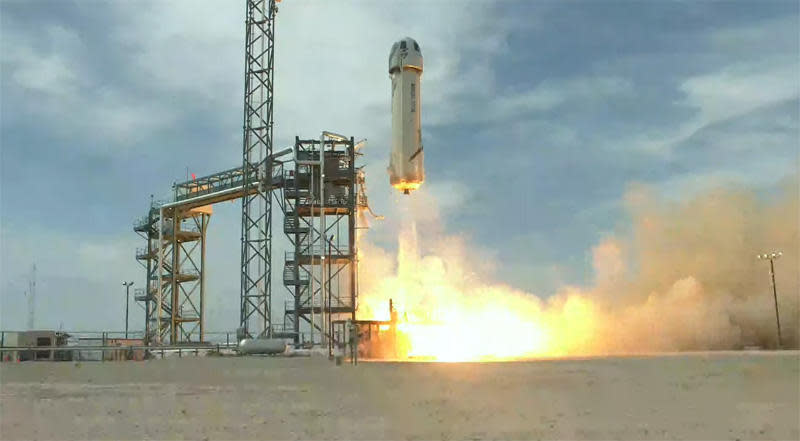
{"x": 33, "y": 339}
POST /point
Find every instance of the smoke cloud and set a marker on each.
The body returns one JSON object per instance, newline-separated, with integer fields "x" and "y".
{"x": 684, "y": 276}
{"x": 692, "y": 279}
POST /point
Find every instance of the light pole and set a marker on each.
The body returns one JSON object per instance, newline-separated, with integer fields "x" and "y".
{"x": 127, "y": 286}
{"x": 772, "y": 257}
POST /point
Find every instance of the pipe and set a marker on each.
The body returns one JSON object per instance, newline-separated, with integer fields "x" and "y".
{"x": 322, "y": 230}
{"x": 203, "y": 197}
{"x": 205, "y": 219}
{"x": 335, "y": 136}
{"x": 311, "y": 250}
{"x": 174, "y": 271}
{"x": 159, "y": 272}
{"x": 283, "y": 152}
{"x": 328, "y": 304}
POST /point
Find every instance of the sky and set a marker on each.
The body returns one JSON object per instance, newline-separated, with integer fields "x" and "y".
{"x": 538, "y": 117}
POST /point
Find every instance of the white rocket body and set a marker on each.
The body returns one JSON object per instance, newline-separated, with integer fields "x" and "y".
{"x": 406, "y": 169}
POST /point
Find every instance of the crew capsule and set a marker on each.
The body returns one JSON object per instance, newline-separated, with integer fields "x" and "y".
{"x": 406, "y": 169}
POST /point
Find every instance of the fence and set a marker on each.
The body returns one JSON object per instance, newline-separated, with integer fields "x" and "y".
{"x": 113, "y": 345}
{"x": 107, "y": 353}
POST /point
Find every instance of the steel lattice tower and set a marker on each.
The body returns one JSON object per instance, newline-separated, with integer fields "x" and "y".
{"x": 255, "y": 296}
{"x": 320, "y": 222}
{"x": 175, "y": 261}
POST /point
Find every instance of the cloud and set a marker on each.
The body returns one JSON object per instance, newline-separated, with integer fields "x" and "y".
{"x": 738, "y": 89}
{"x": 768, "y": 36}
{"x": 53, "y": 73}
{"x": 549, "y": 94}
{"x": 757, "y": 148}
{"x": 748, "y": 67}
{"x": 57, "y": 87}
{"x": 531, "y": 133}
{"x": 78, "y": 282}
{"x": 114, "y": 95}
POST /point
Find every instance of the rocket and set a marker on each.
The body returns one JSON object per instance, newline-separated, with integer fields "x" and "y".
{"x": 406, "y": 169}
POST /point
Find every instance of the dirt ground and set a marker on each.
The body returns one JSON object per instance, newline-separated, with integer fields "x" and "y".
{"x": 692, "y": 396}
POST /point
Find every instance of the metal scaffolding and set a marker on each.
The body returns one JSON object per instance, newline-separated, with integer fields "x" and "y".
{"x": 320, "y": 219}
{"x": 321, "y": 270}
{"x": 320, "y": 207}
{"x": 175, "y": 261}
{"x": 255, "y": 295}
{"x": 147, "y": 228}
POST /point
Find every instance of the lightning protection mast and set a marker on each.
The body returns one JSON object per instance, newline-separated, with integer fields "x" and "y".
{"x": 32, "y": 299}
{"x": 255, "y": 296}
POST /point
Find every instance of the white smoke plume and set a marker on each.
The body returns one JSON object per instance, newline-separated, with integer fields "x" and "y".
{"x": 684, "y": 277}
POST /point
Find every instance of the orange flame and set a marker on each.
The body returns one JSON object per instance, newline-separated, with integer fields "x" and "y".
{"x": 407, "y": 186}
{"x": 444, "y": 315}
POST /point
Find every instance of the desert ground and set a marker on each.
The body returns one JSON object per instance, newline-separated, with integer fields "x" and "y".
{"x": 751, "y": 395}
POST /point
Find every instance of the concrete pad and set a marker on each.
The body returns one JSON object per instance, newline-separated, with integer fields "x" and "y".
{"x": 743, "y": 395}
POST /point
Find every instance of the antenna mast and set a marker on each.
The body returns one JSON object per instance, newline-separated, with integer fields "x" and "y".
{"x": 32, "y": 298}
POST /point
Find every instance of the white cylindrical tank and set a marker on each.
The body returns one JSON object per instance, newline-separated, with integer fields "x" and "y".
{"x": 262, "y": 346}
{"x": 406, "y": 169}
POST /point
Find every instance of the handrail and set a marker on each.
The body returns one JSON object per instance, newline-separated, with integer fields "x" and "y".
{"x": 318, "y": 250}
{"x": 289, "y": 274}
{"x": 108, "y": 348}
{"x": 142, "y": 252}
{"x": 141, "y": 221}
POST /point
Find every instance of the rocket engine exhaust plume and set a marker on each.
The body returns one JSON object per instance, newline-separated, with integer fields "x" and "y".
{"x": 683, "y": 278}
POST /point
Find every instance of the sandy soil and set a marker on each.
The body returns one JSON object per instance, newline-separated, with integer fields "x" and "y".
{"x": 695, "y": 396}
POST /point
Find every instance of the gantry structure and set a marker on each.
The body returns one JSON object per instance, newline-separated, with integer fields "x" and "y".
{"x": 175, "y": 251}
{"x": 322, "y": 196}
{"x": 320, "y": 191}
{"x": 175, "y": 279}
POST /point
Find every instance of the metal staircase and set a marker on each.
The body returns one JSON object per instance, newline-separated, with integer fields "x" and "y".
{"x": 321, "y": 265}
